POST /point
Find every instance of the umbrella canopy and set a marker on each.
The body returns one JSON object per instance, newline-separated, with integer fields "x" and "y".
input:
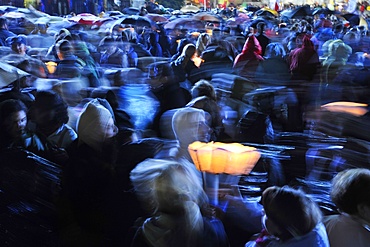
{"x": 85, "y": 19}
{"x": 205, "y": 16}
{"x": 185, "y": 23}
{"x": 9, "y": 73}
{"x": 189, "y": 9}
{"x": 14, "y": 15}
{"x": 297, "y": 13}
{"x": 267, "y": 12}
{"x": 233, "y": 22}
{"x": 35, "y": 66}
{"x": 156, "y": 17}
{"x": 325, "y": 11}
{"x": 353, "y": 19}
{"x": 137, "y": 20}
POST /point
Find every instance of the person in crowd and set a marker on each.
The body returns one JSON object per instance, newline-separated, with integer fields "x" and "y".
{"x": 204, "y": 97}
{"x": 49, "y": 115}
{"x": 130, "y": 55}
{"x": 13, "y": 130}
{"x": 19, "y": 58}
{"x": 52, "y": 52}
{"x": 202, "y": 42}
{"x": 189, "y": 125}
{"x": 155, "y": 47}
{"x": 246, "y": 63}
{"x": 261, "y": 37}
{"x": 274, "y": 68}
{"x": 184, "y": 65}
{"x": 4, "y": 32}
{"x": 69, "y": 66}
{"x": 350, "y": 193}
{"x": 180, "y": 214}
{"x": 90, "y": 187}
{"x": 304, "y": 61}
{"x": 111, "y": 54}
{"x": 291, "y": 219}
{"x": 129, "y": 35}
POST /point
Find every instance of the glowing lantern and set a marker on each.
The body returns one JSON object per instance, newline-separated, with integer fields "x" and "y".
{"x": 355, "y": 109}
{"x": 217, "y": 158}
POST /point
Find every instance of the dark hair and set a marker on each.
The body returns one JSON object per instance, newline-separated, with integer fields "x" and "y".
{"x": 3, "y": 21}
{"x": 10, "y": 106}
{"x": 50, "y": 100}
{"x": 203, "y": 88}
{"x": 64, "y": 47}
{"x": 292, "y": 211}
{"x": 351, "y": 188}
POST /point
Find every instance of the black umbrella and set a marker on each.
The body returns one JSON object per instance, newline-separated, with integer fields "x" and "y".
{"x": 137, "y": 20}
{"x": 297, "y": 13}
{"x": 353, "y": 19}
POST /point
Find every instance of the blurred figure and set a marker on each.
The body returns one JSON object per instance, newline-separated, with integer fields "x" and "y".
{"x": 261, "y": 37}
{"x": 183, "y": 66}
{"x": 13, "y": 131}
{"x": 49, "y": 114}
{"x": 112, "y": 56}
{"x": 4, "y": 31}
{"x": 291, "y": 219}
{"x": 274, "y": 68}
{"x": 246, "y": 63}
{"x": 93, "y": 212}
{"x": 350, "y": 193}
{"x": 155, "y": 48}
{"x": 189, "y": 125}
{"x": 69, "y": 65}
{"x": 202, "y": 42}
{"x": 304, "y": 61}
{"x": 180, "y": 212}
{"x": 204, "y": 97}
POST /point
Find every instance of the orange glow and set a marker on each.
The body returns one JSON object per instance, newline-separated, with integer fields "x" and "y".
{"x": 229, "y": 158}
{"x": 355, "y": 109}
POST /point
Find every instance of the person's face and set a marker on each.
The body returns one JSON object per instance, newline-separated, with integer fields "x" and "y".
{"x": 204, "y": 131}
{"x": 111, "y": 129}
{"x": 16, "y": 124}
{"x": 20, "y": 48}
{"x": 42, "y": 117}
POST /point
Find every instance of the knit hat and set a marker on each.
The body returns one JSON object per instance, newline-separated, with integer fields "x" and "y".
{"x": 92, "y": 124}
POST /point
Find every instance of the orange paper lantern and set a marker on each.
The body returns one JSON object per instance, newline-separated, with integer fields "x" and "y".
{"x": 229, "y": 158}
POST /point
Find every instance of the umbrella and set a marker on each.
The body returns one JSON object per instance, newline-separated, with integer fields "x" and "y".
{"x": 14, "y": 15}
{"x": 137, "y": 20}
{"x": 34, "y": 64}
{"x": 131, "y": 11}
{"x": 231, "y": 22}
{"x": 185, "y": 23}
{"x": 297, "y": 13}
{"x": 325, "y": 11}
{"x": 267, "y": 12}
{"x": 85, "y": 19}
{"x": 204, "y": 16}
{"x": 9, "y": 73}
{"x": 156, "y": 17}
{"x": 353, "y": 19}
{"x": 189, "y": 9}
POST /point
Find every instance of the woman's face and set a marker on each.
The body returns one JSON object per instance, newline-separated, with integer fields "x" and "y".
{"x": 204, "y": 131}
{"x": 16, "y": 124}
{"x": 111, "y": 129}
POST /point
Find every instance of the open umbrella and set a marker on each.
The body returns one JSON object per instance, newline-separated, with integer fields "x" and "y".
{"x": 137, "y": 20}
{"x": 353, "y": 19}
{"x": 267, "y": 12}
{"x": 205, "y": 16}
{"x": 85, "y": 19}
{"x": 9, "y": 73}
{"x": 189, "y": 9}
{"x": 185, "y": 23}
{"x": 156, "y": 17}
{"x": 297, "y": 13}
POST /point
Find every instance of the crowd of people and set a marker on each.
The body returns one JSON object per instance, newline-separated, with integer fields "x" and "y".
{"x": 124, "y": 183}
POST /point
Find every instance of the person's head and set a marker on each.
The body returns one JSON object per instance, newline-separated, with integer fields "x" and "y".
{"x": 108, "y": 44}
{"x": 64, "y": 48}
{"x": 13, "y": 118}
{"x": 261, "y": 27}
{"x": 203, "y": 88}
{"x": 18, "y": 44}
{"x": 49, "y": 111}
{"x": 275, "y": 50}
{"x": 289, "y": 213}
{"x": 167, "y": 186}
{"x": 190, "y": 124}
{"x": 188, "y": 51}
{"x": 95, "y": 125}
{"x": 3, "y": 23}
{"x": 202, "y": 41}
{"x": 350, "y": 192}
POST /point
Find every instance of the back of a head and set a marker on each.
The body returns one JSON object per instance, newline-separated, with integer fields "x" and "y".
{"x": 350, "y": 189}
{"x": 203, "y": 88}
{"x": 64, "y": 47}
{"x": 93, "y": 123}
{"x": 291, "y": 211}
{"x": 188, "y": 51}
{"x": 275, "y": 50}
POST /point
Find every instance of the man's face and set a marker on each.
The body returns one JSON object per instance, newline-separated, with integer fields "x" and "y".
{"x": 16, "y": 124}
{"x": 20, "y": 48}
